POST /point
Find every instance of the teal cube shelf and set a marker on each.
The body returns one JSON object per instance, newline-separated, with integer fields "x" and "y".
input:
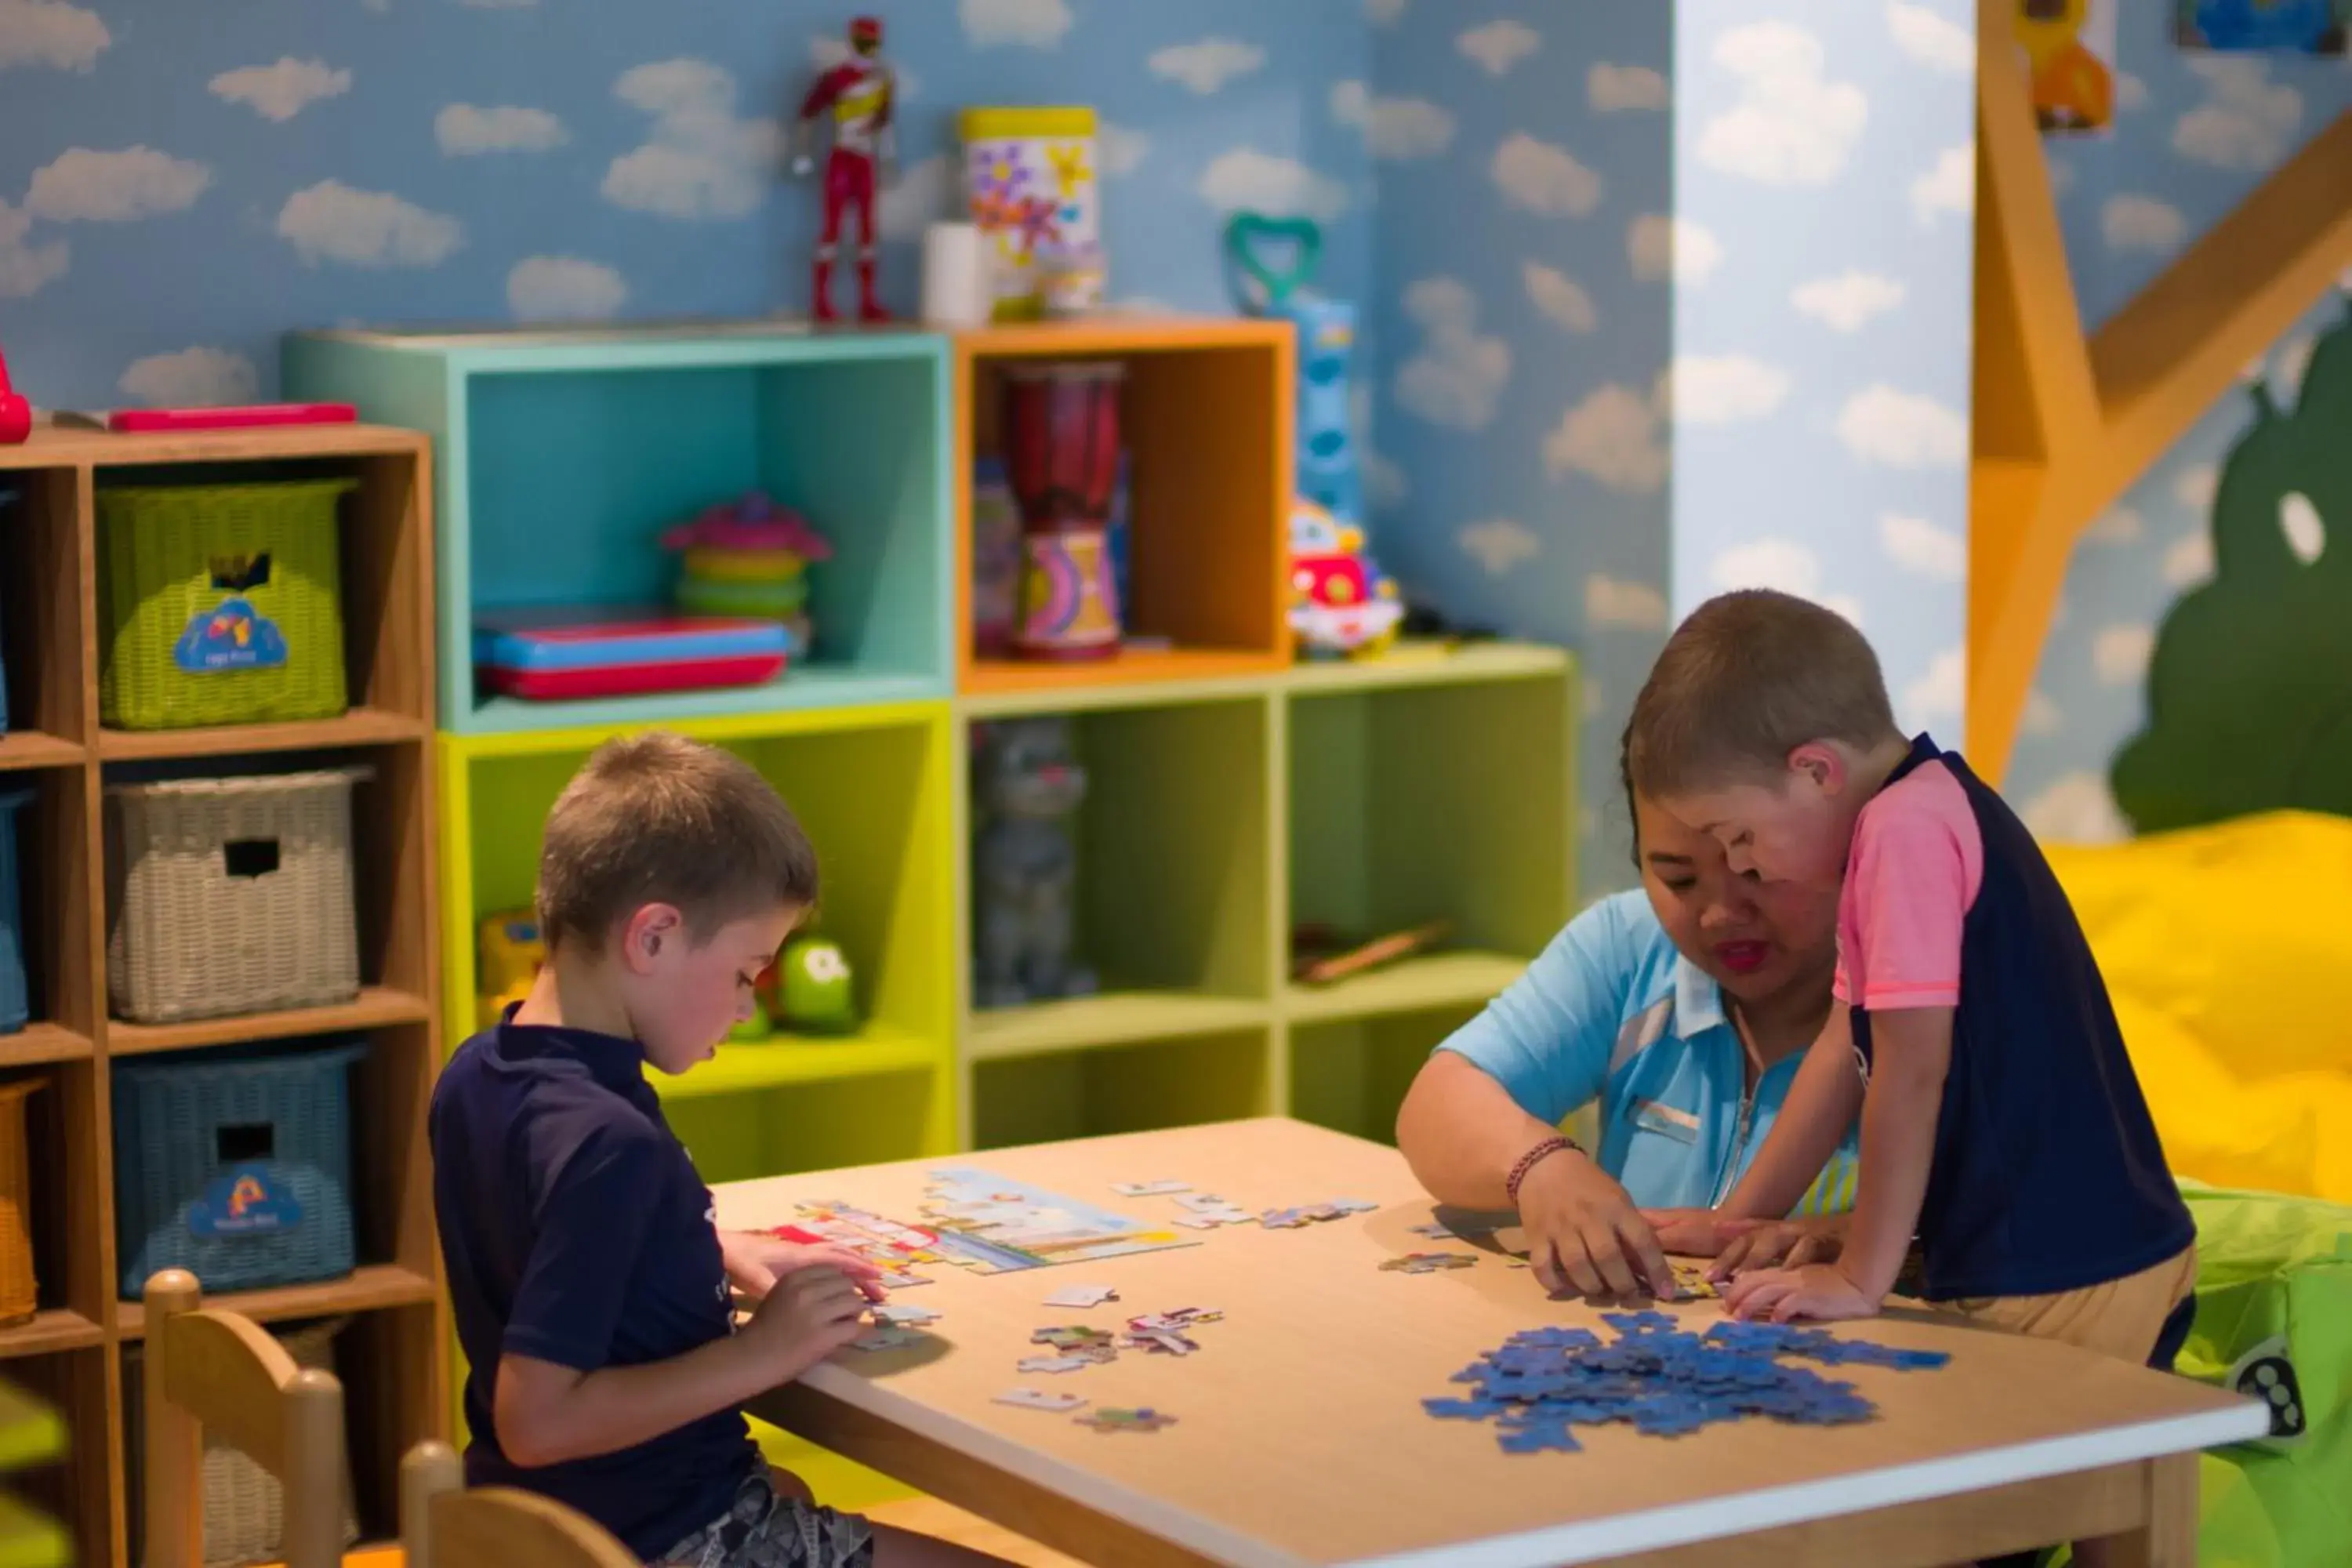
{"x": 560, "y": 457}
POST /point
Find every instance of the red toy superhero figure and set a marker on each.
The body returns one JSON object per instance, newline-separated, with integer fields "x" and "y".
{"x": 861, "y": 92}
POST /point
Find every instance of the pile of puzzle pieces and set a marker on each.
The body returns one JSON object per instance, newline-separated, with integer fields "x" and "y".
{"x": 1075, "y": 1346}
{"x": 1662, "y": 1380}
{"x": 1206, "y": 1211}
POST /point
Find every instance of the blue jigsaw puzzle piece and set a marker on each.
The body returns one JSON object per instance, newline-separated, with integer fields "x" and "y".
{"x": 1547, "y": 1438}
{"x": 1461, "y": 1409}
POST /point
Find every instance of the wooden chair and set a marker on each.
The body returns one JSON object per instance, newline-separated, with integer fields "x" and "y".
{"x": 219, "y": 1371}
{"x": 445, "y": 1525}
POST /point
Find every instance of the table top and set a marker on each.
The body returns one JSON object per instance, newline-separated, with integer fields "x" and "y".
{"x": 1300, "y": 1436}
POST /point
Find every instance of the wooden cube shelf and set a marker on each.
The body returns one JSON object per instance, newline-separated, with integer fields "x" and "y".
{"x": 50, "y": 595}
{"x": 563, "y": 457}
{"x": 66, "y": 1479}
{"x": 1205, "y": 414}
{"x": 1129, "y": 1088}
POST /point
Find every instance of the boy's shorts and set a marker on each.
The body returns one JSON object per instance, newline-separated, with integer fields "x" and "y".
{"x": 765, "y": 1529}
{"x": 2123, "y": 1318}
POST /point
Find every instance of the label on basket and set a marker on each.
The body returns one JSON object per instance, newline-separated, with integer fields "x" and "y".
{"x": 246, "y": 1201}
{"x": 231, "y": 635}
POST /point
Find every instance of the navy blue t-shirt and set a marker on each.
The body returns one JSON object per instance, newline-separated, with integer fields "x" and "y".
{"x": 2047, "y": 1173}
{"x": 576, "y": 1231}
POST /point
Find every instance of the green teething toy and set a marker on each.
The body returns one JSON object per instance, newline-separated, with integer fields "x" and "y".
{"x": 1248, "y": 236}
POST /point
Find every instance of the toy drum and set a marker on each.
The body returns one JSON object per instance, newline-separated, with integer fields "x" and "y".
{"x": 1061, "y": 462}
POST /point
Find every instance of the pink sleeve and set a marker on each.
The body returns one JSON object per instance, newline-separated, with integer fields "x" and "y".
{"x": 1916, "y": 863}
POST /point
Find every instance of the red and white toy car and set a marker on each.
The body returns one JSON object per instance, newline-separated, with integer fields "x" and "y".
{"x": 1341, "y": 603}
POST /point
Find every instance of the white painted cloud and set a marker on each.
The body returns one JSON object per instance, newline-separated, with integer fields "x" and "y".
{"x": 1207, "y": 65}
{"x": 1920, "y": 546}
{"x": 1392, "y": 127}
{"x": 1903, "y": 429}
{"x": 1782, "y": 564}
{"x": 26, "y": 269}
{"x": 701, "y": 160}
{"x": 83, "y": 186}
{"x": 923, "y": 194}
{"x": 1456, "y": 377}
{"x": 1849, "y": 302}
{"x": 1543, "y": 177}
{"x": 192, "y": 378}
{"x": 1940, "y": 694}
{"x": 50, "y": 34}
{"x": 1659, "y": 248}
{"x": 2131, "y": 92}
{"x": 2042, "y": 716}
{"x": 2120, "y": 653}
{"x": 1384, "y": 481}
{"x": 1030, "y": 24}
{"x": 2247, "y": 120}
{"x": 2306, "y": 535}
{"x": 1120, "y": 149}
{"x": 2076, "y": 808}
{"x": 1948, "y": 186}
{"x": 1930, "y": 38}
{"x": 564, "y": 288}
{"x": 1612, "y": 437}
{"x": 2189, "y": 560}
{"x": 2194, "y": 486}
{"x": 1499, "y": 46}
{"x": 2060, "y": 171}
{"x": 2119, "y": 524}
{"x": 2142, "y": 223}
{"x": 332, "y": 222}
{"x": 465, "y": 130}
{"x": 1383, "y": 12}
{"x": 283, "y": 90}
{"x": 1560, "y": 297}
{"x": 1719, "y": 389}
{"x": 1616, "y": 602}
{"x": 1618, "y": 89}
{"x": 1789, "y": 125}
{"x": 1499, "y": 545}
{"x": 1245, "y": 178}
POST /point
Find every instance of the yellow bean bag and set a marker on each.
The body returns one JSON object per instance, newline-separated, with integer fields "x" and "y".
{"x": 2225, "y": 949}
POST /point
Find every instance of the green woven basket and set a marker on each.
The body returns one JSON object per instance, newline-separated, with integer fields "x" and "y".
{"x": 223, "y": 604}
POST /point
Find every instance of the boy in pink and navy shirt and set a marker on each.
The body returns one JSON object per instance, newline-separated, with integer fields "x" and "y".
{"x": 2002, "y": 1126}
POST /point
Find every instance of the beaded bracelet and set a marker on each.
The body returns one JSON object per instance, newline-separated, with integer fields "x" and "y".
{"x": 1528, "y": 1160}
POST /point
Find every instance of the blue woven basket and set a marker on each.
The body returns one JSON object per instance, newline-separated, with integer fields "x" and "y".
{"x": 14, "y": 1003}
{"x": 236, "y": 1167}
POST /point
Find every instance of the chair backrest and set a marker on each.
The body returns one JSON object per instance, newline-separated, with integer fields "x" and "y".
{"x": 217, "y": 1371}
{"x": 445, "y": 1525}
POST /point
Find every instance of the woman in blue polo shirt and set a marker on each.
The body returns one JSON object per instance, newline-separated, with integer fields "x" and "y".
{"x": 1683, "y": 1010}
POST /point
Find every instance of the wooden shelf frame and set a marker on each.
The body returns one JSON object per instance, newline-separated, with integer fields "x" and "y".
{"x": 2064, "y": 422}
{"x": 73, "y": 1350}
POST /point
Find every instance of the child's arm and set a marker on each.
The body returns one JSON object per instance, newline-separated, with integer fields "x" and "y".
{"x": 1812, "y": 1121}
{"x": 1911, "y": 1051}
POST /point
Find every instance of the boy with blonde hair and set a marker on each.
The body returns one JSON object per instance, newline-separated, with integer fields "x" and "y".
{"x": 591, "y": 1290}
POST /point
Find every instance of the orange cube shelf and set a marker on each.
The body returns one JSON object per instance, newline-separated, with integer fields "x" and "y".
{"x": 1207, "y": 415}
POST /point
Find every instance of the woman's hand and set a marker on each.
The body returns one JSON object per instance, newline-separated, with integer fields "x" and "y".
{"x": 1584, "y": 1234}
{"x": 755, "y": 1262}
{"x": 1698, "y": 1233}
{"x": 1780, "y": 1243}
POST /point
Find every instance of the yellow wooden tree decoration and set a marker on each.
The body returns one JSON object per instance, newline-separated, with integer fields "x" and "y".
{"x": 2064, "y": 424}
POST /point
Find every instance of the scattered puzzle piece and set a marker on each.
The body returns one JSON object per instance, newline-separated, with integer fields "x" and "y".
{"x": 898, "y": 1316}
{"x": 1057, "y": 1362}
{"x": 1427, "y": 1262}
{"x": 1038, "y": 1399}
{"x": 1149, "y": 1189}
{"x": 1141, "y": 1420}
{"x": 1162, "y": 1341}
{"x": 1436, "y": 1231}
{"x": 1691, "y": 1282}
{"x": 889, "y": 1337}
{"x": 1075, "y": 1337}
{"x": 1082, "y": 1296}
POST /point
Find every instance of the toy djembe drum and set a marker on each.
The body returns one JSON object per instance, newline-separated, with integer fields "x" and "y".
{"x": 1061, "y": 461}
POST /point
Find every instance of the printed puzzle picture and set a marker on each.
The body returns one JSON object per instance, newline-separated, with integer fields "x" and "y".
{"x": 985, "y": 1223}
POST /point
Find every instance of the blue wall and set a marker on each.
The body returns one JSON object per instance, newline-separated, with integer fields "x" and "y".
{"x": 181, "y": 184}
{"x": 2193, "y": 134}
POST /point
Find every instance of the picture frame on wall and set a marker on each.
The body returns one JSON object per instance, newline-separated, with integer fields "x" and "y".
{"x": 2271, "y": 26}
{"x": 2070, "y": 52}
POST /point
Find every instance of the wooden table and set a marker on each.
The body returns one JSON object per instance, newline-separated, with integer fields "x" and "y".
{"x": 1301, "y": 1440}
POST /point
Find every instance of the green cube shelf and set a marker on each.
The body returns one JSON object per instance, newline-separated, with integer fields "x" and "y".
{"x": 560, "y": 457}
{"x": 1132, "y": 1086}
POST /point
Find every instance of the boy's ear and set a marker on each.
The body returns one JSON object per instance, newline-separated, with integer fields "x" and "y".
{"x": 647, "y": 933}
{"x": 1821, "y": 764}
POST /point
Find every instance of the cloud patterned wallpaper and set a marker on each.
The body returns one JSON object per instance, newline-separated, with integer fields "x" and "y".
{"x": 179, "y": 184}
{"x": 2193, "y": 134}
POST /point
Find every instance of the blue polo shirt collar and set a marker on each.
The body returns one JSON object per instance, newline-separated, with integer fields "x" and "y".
{"x": 1698, "y": 1000}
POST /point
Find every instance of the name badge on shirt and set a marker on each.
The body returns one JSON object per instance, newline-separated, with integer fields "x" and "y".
{"x": 1651, "y": 1116}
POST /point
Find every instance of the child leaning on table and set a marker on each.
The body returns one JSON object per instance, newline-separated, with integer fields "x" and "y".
{"x": 590, "y": 1285}
{"x": 2000, "y": 1119}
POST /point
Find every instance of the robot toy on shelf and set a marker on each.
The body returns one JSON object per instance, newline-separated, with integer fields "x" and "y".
{"x": 861, "y": 94}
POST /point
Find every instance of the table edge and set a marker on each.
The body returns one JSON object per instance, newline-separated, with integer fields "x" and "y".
{"x": 1803, "y": 1503}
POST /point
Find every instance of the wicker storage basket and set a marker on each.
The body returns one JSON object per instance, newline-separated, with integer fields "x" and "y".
{"x": 231, "y": 895}
{"x": 20, "y": 1291}
{"x": 244, "y": 1506}
{"x": 221, "y": 604}
{"x": 16, "y": 1002}
{"x": 235, "y": 1165}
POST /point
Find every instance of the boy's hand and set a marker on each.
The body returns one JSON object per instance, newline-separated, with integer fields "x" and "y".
{"x": 810, "y": 1313}
{"x": 1819, "y": 1290}
{"x": 1778, "y": 1244}
{"x": 755, "y": 1262}
{"x": 1585, "y": 1235}
{"x": 1698, "y": 1233}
